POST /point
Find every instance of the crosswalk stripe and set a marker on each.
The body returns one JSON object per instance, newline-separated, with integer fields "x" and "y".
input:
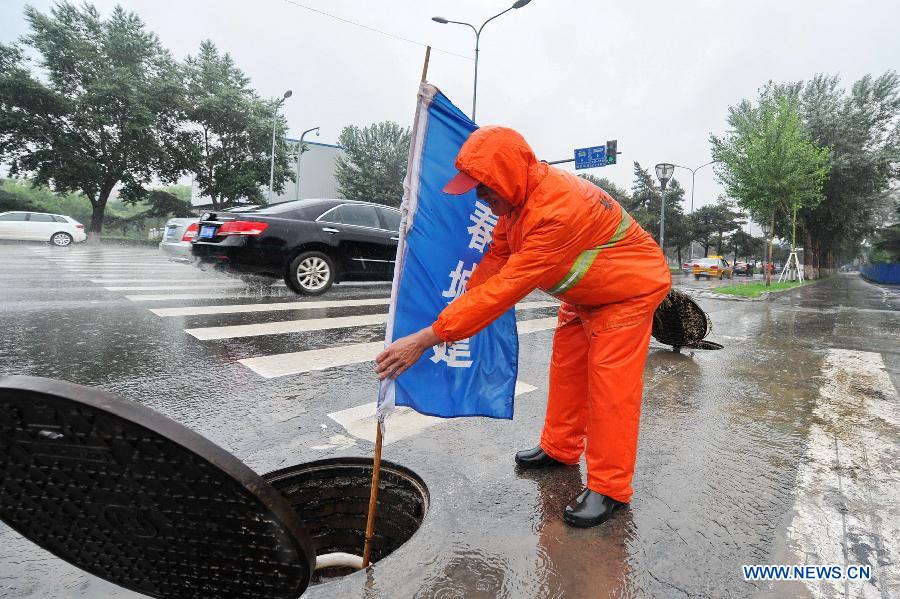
{"x": 117, "y": 281}
{"x": 287, "y": 326}
{"x": 195, "y": 296}
{"x": 321, "y": 359}
{"x": 297, "y": 305}
{"x": 106, "y": 260}
{"x": 294, "y": 326}
{"x": 125, "y": 271}
{"x": 176, "y": 287}
{"x": 274, "y": 366}
{"x": 359, "y": 421}
{"x": 536, "y": 324}
{"x": 244, "y": 308}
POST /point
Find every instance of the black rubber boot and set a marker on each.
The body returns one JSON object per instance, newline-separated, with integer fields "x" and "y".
{"x": 535, "y": 458}
{"x": 591, "y": 509}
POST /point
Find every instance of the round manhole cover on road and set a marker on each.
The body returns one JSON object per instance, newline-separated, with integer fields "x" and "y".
{"x": 141, "y": 501}
{"x": 680, "y": 322}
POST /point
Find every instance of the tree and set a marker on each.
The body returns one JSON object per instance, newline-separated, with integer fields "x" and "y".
{"x": 40, "y": 198}
{"x": 703, "y": 226}
{"x": 768, "y": 162}
{"x": 862, "y": 128}
{"x": 375, "y": 163}
{"x": 725, "y": 220}
{"x": 12, "y": 202}
{"x": 743, "y": 245}
{"x": 711, "y": 224}
{"x": 231, "y": 132}
{"x": 106, "y": 113}
{"x": 679, "y": 233}
{"x": 165, "y": 204}
{"x": 886, "y": 246}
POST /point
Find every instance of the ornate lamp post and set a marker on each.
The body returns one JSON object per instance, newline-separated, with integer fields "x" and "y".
{"x": 664, "y": 172}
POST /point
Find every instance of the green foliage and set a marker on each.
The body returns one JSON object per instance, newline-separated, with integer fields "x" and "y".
{"x": 711, "y": 224}
{"x": 862, "y": 127}
{"x": 42, "y": 199}
{"x": 742, "y": 245}
{"x": 127, "y": 218}
{"x": 768, "y": 161}
{"x": 230, "y": 148}
{"x": 375, "y": 163}
{"x": 11, "y": 202}
{"x": 886, "y": 246}
{"x": 164, "y": 204}
{"x": 107, "y": 111}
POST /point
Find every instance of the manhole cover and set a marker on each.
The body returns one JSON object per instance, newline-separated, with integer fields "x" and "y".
{"x": 141, "y": 501}
{"x": 680, "y": 322}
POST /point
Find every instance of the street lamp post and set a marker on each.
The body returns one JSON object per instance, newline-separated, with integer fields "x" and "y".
{"x": 664, "y": 172}
{"x": 287, "y": 95}
{"x": 693, "y": 180}
{"x": 443, "y": 21}
{"x": 299, "y": 154}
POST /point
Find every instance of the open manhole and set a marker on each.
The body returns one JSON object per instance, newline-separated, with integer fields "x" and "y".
{"x": 130, "y": 496}
{"x": 332, "y": 498}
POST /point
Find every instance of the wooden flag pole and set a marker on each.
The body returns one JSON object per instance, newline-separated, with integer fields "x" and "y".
{"x": 376, "y": 469}
{"x": 373, "y": 498}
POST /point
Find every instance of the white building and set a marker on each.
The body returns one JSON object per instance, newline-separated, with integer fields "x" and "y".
{"x": 316, "y": 169}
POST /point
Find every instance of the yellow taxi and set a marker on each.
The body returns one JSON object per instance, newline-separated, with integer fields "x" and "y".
{"x": 712, "y": 266}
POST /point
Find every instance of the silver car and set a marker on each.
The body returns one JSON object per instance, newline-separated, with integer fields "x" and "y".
{"x": 176, "y": 241}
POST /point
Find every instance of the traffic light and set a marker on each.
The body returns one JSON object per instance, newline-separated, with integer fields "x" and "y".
{"x": 611, "y": 151}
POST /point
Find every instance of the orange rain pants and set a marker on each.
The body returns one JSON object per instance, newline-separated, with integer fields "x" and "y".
{"x": 571, "y": 239}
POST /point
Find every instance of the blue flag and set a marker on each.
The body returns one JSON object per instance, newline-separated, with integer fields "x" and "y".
{"x": 442, "y": 239}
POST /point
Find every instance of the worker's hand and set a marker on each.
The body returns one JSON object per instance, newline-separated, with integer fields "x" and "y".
{"x": 404, "y": 352}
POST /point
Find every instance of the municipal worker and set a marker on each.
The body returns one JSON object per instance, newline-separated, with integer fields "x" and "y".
{"x": 561, "y": 234}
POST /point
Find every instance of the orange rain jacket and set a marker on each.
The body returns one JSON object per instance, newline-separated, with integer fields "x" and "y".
{"x": 564, "y": 235}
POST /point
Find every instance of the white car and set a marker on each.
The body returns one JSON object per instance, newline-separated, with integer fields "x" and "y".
{"x": 38, "y": 226}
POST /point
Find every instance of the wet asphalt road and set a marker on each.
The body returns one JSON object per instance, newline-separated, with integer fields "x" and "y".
{"x": 727, "y": 467}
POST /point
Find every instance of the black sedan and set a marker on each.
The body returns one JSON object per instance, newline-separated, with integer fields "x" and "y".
{"x": 310, "y": 243}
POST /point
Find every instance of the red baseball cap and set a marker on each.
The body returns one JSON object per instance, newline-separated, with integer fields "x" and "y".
{"x": 460, "y": 184}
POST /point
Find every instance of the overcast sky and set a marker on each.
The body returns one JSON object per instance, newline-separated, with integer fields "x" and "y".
{"x": 656, "y": 75}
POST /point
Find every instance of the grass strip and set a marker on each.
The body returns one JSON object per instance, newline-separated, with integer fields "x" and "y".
{"x": 756, "y": 289}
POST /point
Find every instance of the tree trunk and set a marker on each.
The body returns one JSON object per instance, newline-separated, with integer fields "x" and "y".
{"x": 679, "y": 256}
{"x": 769, "y": 263}
{"x": 98, "y": 211}
{"x": 809, "y": 270}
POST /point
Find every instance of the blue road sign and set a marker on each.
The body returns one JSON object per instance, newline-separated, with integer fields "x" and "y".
{"x": 590, "y": 157}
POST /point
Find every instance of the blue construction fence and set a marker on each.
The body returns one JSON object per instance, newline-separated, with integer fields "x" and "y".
{"x": 882, "y": 272}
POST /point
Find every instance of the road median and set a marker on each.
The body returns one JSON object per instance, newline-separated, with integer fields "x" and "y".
{"x": 758, "y": 289}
